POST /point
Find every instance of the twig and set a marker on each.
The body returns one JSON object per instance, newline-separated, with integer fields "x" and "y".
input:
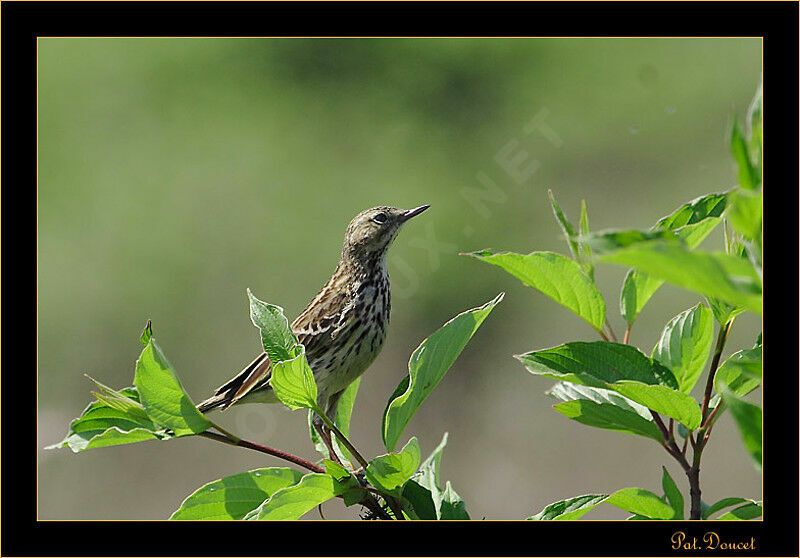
{"x": 668, "y": 443}
{"x": 722, "y": 336}
{"x": 703, "y": 433}
{"x": 709, "y": 422}
{"x": 627, "y": 336}
{"x": 263, "y": 449}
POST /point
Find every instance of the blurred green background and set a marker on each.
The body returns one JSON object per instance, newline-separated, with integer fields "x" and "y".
{"x": 175, "y": 173}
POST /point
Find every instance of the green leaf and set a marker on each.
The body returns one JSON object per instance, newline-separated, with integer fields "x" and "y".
{"x": 427, "y": 366}
{"x": 724, "y": 312}
{"x": 621, "y": 368}
{"x": 147, "y": 333}
{"x": 747, "y": 173}
{"x": 664, "y": 400}
{"x": 608, "y": 241}
{"x": 584, "y": 251}
{"x": 101, "y": 425}
{"x": 163, "y": 396}
{"x": 346, "y": 483}
{"x": 452, "y": 506}
{"x": 685, "y": 344}
{"x": 276, "y": 334}
{"x": 418, "y": 501}
{"x": 641, "y": 502}
{"x": 722, "y": 504}
{"x": 746, "y": 214}
{"x": 604, "y": 409}
{"x": 235, "y": 496}
{"x": 748, "y": 418}
{"x": 673, "y": 493}
{"x": 566, "y": 226}
{"x": 570, "y": 509}
{"x": 692, "y": 235}
{"x": 556, "y": 276}
{"x": 389, "y": 472}
{"x": 729, "y": 278}
{"x": 341, "y": 419}
{"x": 293, "y": 383}
{"x": 429, "y": 470}
{"x": 295, "y": 501}
{"x": 637, "y": 288}
{"x": 596, "y": 364}
{"x": 741, "y": 373}
{"x": 755, "y": 126}
{"x": 693, "y": 212}
{"x": 692, "y": 223}
{"x": 118, "y": 400}
{"x": 750, "y": 510}
{"x": 447, "y": 504}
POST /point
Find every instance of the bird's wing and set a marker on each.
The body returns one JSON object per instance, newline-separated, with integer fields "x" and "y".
{"x": 324, "y": 319}
{"x": 315, "y": 328}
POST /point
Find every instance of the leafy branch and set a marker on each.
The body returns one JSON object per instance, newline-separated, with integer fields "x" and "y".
{"x": 391, "y": 486}
{"x": 618, "y": 387}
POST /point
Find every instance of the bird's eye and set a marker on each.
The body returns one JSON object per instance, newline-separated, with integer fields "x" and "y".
{"x": 380, "y": 218}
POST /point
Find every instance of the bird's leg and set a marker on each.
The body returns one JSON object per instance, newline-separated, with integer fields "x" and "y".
{"x": 322, "y": 428}
{"x": 325, "y": 433}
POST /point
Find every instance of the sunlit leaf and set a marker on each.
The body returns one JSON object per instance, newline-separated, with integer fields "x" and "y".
{"x": 276, "y": 335}
{"x": 691, "y": 223}
{"x": 726, "y": 277}
{"x": 621, "y": 368}
{"x": 747, "y": 173}
{"x": 603, "y": 408}
{"x": 163, "y": 396}
{"x": 447, "y": 503}
{"x": 235, "y": 496}
{"x": 748, "y": 418}
{"x": 751, "y": 510}
{"x": 721, "y": 505}
{"x": 427, "y": 366}
{"x": 566, "y": 226}
{"x": 556, "y": 276}
{"x": 746, "y": 214}
{"x": 641, "y": 502}
{"x": 685, "y": 344}
{"x": 293, "y": 383}
{"x": 295, "y": 501}
{"x": 672, "y": 492}
{"x": 570, "y": 509}
{"x": 584, "y": 251}
{"x": 389, "y": 472}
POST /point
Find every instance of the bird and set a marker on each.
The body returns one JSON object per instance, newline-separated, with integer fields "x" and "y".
{"x": 344, "y": 326}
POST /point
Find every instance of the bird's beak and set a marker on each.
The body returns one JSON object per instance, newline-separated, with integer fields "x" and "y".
{"x": 414, "y": 212}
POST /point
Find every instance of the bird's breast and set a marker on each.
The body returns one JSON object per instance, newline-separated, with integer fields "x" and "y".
{"x": 358, "y": 340}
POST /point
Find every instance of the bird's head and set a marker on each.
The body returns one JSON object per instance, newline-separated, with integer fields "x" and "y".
{"x": 372, "y": 231}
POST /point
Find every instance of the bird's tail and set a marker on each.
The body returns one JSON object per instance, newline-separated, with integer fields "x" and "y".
{"x": 217, "y": 400}
{"x": 251, "y": 377}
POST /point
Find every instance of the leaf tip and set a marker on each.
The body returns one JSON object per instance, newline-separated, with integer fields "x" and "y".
{"x": 147, "y": 332}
